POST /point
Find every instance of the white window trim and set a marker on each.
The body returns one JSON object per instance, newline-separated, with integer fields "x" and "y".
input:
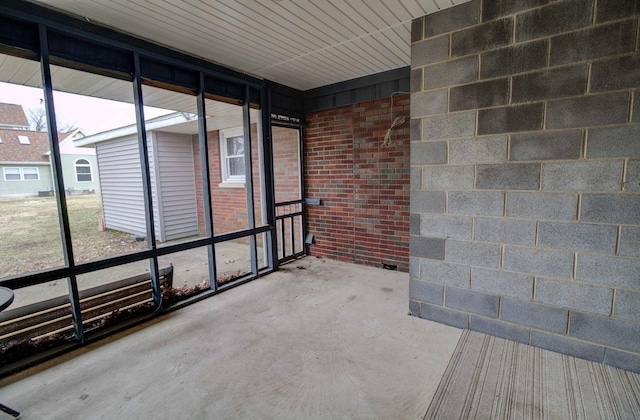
{"x": 229, "y": 181}
{"x": 21, "y": 170}
{"x": 24, "y": 140}
{"x": 84, "y": 165}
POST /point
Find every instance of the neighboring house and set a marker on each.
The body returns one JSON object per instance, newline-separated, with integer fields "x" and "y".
{"x": 25, "y": 167}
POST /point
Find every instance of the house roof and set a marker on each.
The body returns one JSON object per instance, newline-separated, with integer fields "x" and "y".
{"x": 12, "y": 151}
{"x": 300, "y": 43}
{"x": 13, "y": 116}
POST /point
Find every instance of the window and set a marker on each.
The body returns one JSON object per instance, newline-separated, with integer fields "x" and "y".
{"x": 0, "y": 139}
{"x": 83, "y": 171}
{"x": 232, "y": 155}
{"x": 21, "y": 174}
{"x": 23, "y": 140}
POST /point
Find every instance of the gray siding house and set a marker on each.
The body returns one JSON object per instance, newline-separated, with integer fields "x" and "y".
{"x": 172, "y": 179}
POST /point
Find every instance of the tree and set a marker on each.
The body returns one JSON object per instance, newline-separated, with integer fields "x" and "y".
{"x": 38, "y": 121}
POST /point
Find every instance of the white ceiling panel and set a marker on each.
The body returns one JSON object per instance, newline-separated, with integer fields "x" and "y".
{"x": 300, "y": 43}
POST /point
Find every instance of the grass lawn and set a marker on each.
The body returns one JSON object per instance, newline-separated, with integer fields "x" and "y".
{"x": 30, "y": 234}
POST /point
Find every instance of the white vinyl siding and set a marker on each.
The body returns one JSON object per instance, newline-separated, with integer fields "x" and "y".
{"x": 171, "y": 169}
{"x": 121, "y": 185}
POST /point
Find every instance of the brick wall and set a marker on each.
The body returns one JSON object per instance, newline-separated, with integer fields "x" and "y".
{"x": 363, "y": 186}
{"x": 525, "y": 173}
{"x": 228, "y": 204}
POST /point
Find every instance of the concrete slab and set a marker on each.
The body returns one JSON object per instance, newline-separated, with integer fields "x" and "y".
{"x": 318, "y": 339}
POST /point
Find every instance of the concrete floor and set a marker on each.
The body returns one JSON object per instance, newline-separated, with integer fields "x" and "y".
{"x": 318, "y": 339}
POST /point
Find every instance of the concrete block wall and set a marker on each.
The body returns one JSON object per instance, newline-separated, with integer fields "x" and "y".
{"x": 525, "y": 184}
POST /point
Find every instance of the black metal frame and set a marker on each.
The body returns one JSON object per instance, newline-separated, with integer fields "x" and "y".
{"x": 181, "y": 70}
{"x": 280, "y": 219}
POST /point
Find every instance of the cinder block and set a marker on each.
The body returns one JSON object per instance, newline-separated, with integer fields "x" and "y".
{"x": 565, "y": 345}
{"x": 473, "y": 253}
{"x": 614, "y": 142}
{"x": 574, "y": 295}
{"x": 599, "y": 41}
{"x": 629, "y": 241}
{"x": 448, "y": 177}
{"x": 499, "y": 8}
{"x": 417, "y": 31}
{"x": 499, "y": 329}
{"x": 549, "y": 206}
{"x": 448, "y": 20}
{"x": 546, "y": 145}
{"x": 470, "y": 301}
{"x": 548, "y": 84}
{"x": 510, "y": 119}
{"x": 583, "y": 176}
{"x": 451, "y": 73}
{"x": 414, "y": 224}
{"x": 429, "y": 51}
{"x": 514, "y": 59}
{"x": 428, "y": 153}
{"x": 539, "y": 262}
{"x": 479, "y": 95}
{"x": 505, "y": 231}
{"x": 414, "y": 267}
{"x": 429, "y": 103}
{"x": 616, "y": 9}
{"x": 481, "y": 203}
{"x": 414, "y": 308}
{"x": 481, "y": 37}
{"x": 616, "y": 73}
{"x": 555, "y": 18}
{"x": 426, "y": 292}
{"x": 534, "y": 315}
{"x": 427, "y": 201}
{"x": 462, "y": 124}
{"x": 610, "y": 332}
{"x": 578, "y": 237}
{"x": 444, "y": 315}
{"x": 432, "y": 248}
{"x": 415, "y": 129}
{"x": 502, "y": 283}
{"x": 446, "y": 226}
{"x": 609, "y": 271}
{"x": 633, "y": 176}
{"x": 518, "y": 176}
{"x": 416, "y": 80}
{"x": 478, "y": 150}
{"x": 611, "y": 208}
{"x": 445, "y": 273}
{"x": 627, "y": 305}
{"x": 416, "y": 178}
{"x": 588, "y": 111}
{"x": 622, "y": 359}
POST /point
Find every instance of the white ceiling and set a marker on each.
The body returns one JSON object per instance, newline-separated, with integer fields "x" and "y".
{"x": 299, "y": 43}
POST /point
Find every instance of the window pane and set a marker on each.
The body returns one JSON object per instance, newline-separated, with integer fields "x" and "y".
{"x": 236, "y": 166}
{"x": 228, "y": 199}
{"x": 30, "y": 173}
{"x": 104, "y": 196}
{"x": 30, "y": 238}
{"x": 172, "y": 140}
{"x": 12, "y": 174}
{"x": 235, "y": 146}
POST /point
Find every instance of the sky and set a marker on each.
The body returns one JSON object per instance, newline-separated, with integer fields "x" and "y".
{"x": 89, "y": 114}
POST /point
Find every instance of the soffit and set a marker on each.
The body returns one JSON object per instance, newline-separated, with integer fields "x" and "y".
{"x": 300, "y": 43}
